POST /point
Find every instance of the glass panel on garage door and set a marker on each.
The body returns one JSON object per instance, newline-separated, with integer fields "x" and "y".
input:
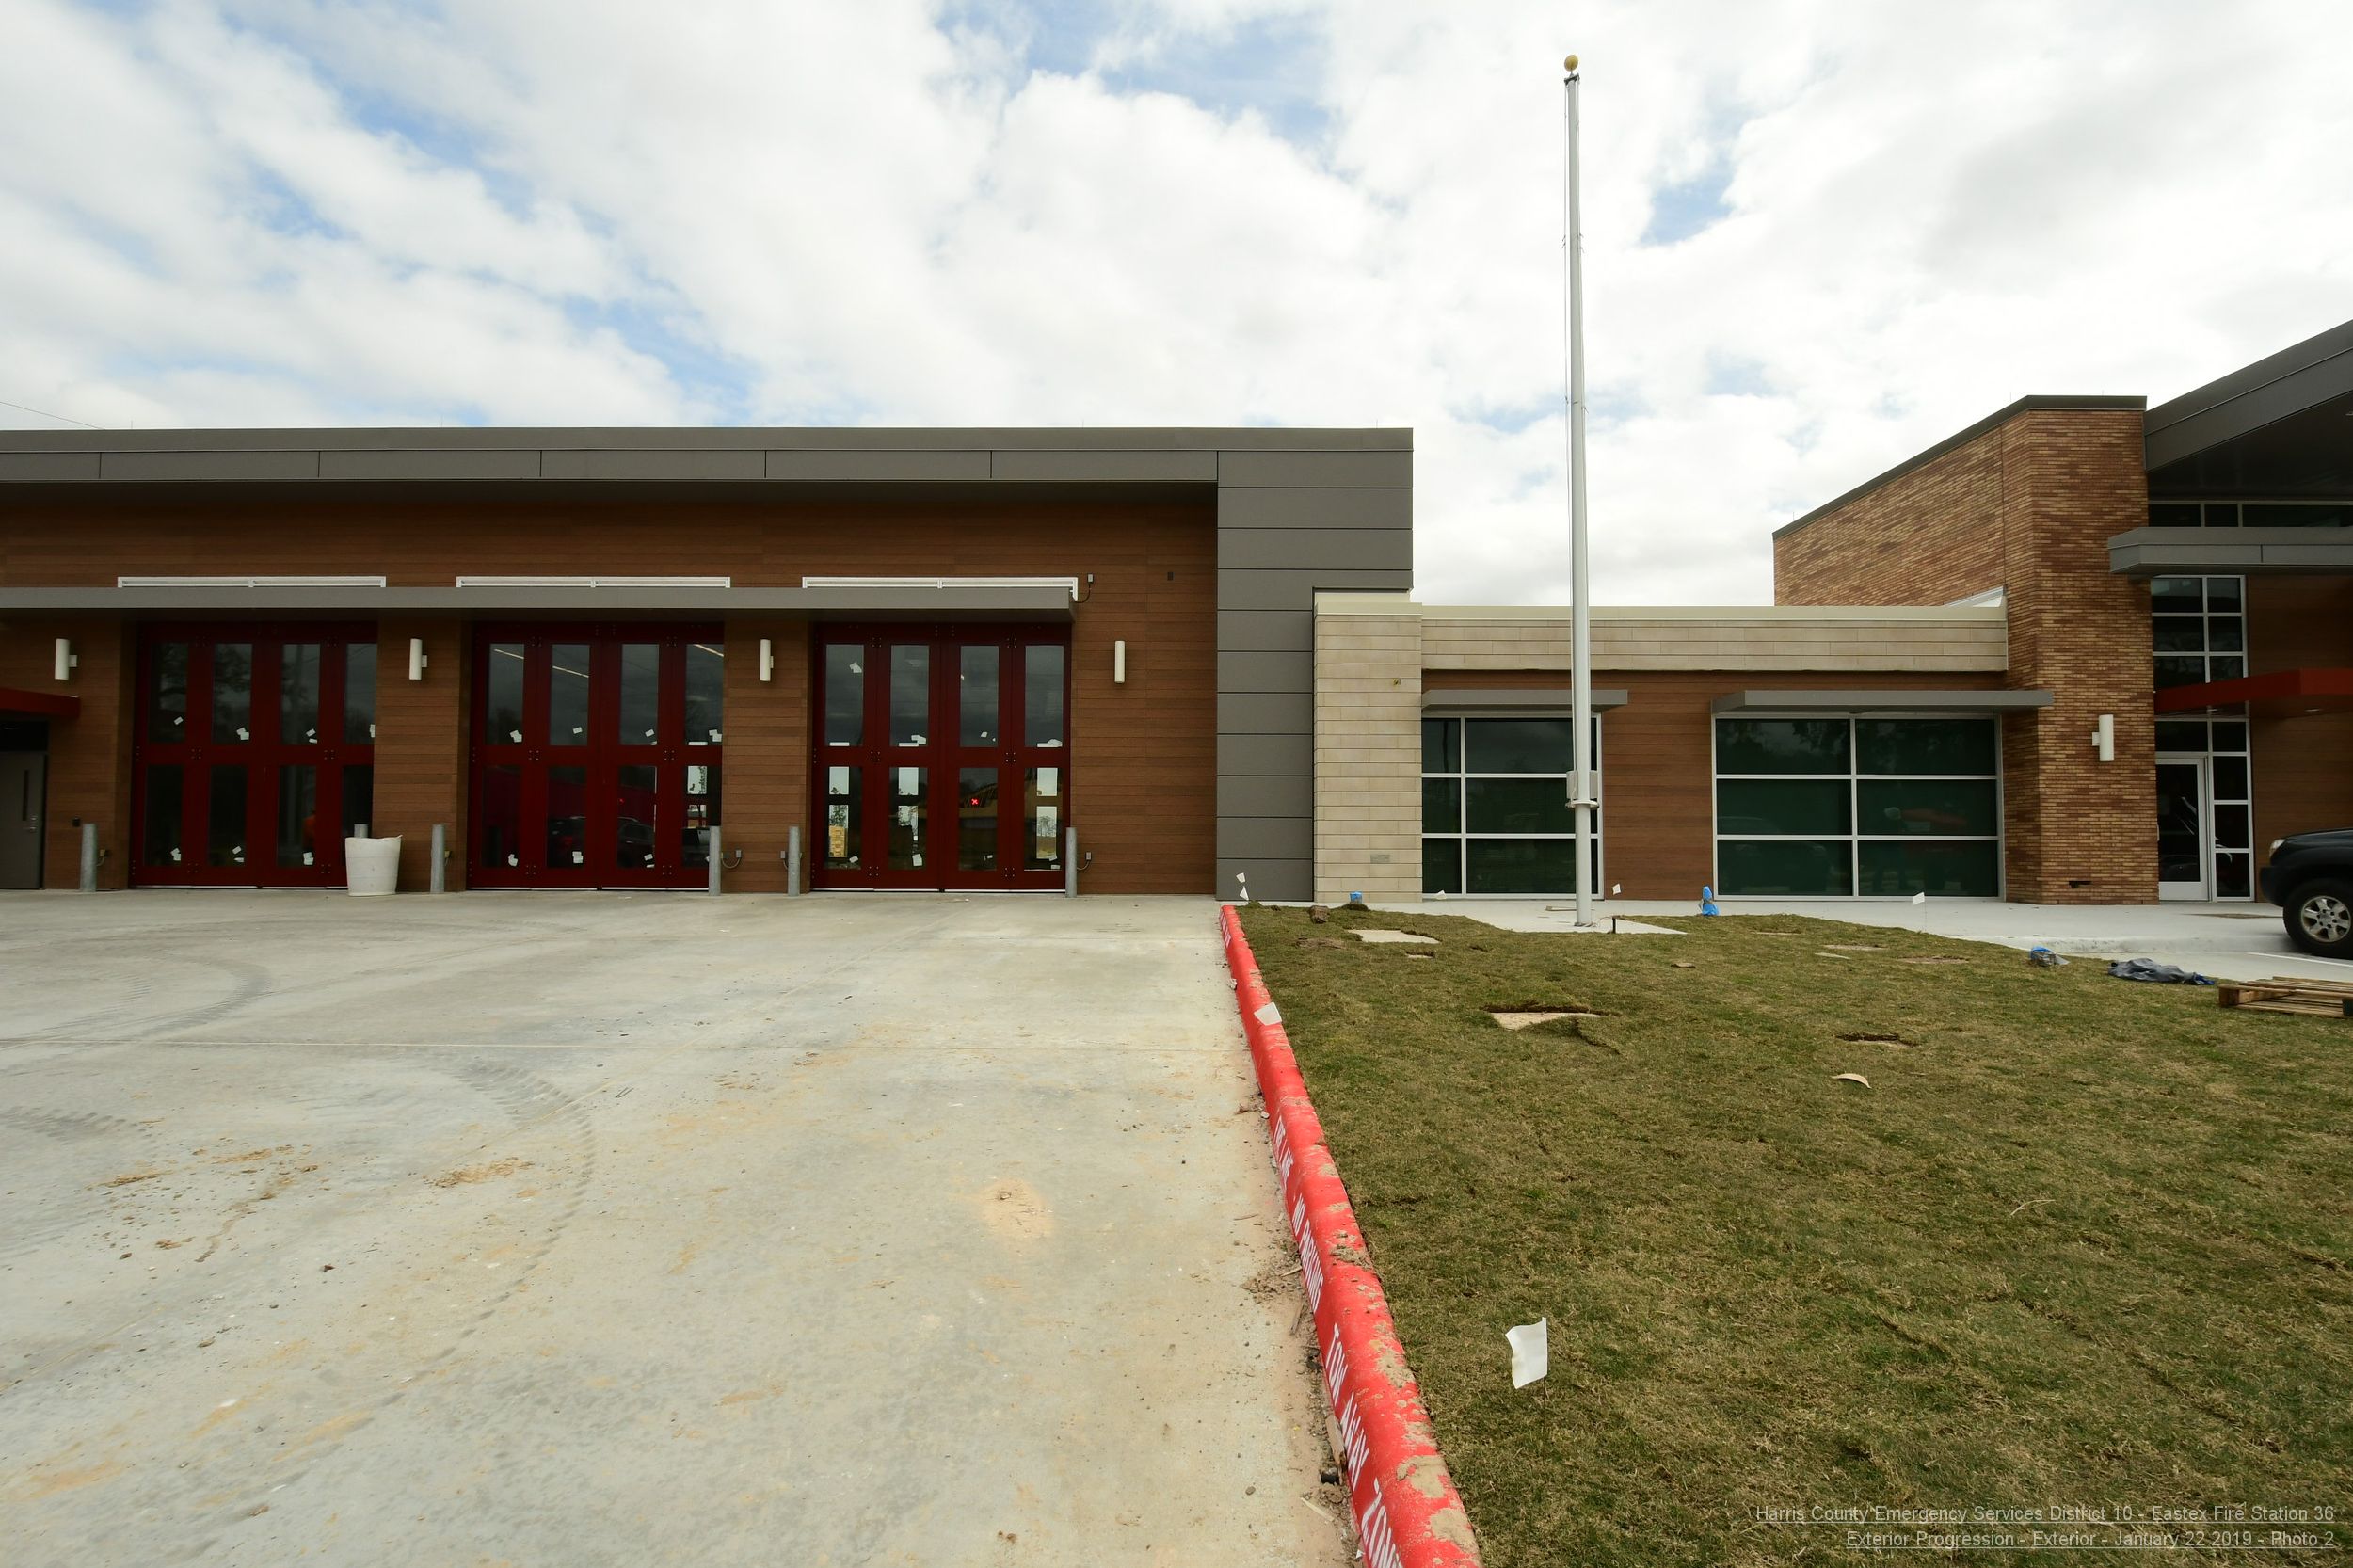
{"x": 596, "y": 755}
{"x": 942, "y": 757}
{"x": 1833, "y": 807}
{"x": 256, "y": 743}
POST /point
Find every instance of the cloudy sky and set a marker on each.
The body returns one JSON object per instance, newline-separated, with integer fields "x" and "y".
{"x": 1820, "y": 233}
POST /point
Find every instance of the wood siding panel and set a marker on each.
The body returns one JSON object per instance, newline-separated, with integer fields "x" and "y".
{"x": 1144, "y": 754}
{"x": 2303, "y": 762}
{"x": 764, "y": 783}
{"x": 90, "y": 755}
{"x": 421, "y": 746}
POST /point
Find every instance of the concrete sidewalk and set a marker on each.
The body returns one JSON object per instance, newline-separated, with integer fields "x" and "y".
{"x": 615, "y": 1228}
{"x": 2234, "y": 941}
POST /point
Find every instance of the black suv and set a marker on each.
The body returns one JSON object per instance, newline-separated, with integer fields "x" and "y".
{"x": 2310, "y": 879}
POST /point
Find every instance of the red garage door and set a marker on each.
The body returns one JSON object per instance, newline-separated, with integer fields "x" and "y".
{"x": 255, "y": 753}
{"x": 942, "y": 757}
{"x": 596, "y": 755}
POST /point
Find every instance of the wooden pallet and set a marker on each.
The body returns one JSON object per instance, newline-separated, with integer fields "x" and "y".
{"x": 2319, "y": 999}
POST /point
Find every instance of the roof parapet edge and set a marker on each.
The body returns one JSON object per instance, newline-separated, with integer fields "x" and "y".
{"x": 2029, "y": 404}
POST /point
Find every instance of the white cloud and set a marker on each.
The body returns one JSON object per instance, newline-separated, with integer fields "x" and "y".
{"x": 349, "y": 211}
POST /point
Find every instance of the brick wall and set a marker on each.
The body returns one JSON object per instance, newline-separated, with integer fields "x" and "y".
{"x": 1367, "y": 713}
{"x": 2028, "y": 506}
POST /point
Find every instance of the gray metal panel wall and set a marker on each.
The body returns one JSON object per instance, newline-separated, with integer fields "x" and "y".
{"x": 1290, "y": 523}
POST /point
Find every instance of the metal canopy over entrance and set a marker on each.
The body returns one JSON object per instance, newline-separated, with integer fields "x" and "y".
{"x": 596, "y": 755}
{"x": 942, "y": 757}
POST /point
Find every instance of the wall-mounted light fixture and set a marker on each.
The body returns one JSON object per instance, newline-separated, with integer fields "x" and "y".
{"x": 1119, "y": 662}
{"x": 416, "y": 658}
{"x": 67, "y": 658}
{"x": 767, "y": 659}
{"x": 2103, "y": 738}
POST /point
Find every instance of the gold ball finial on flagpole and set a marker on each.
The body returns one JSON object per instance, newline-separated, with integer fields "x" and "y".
{"x": 1569, "y": 65}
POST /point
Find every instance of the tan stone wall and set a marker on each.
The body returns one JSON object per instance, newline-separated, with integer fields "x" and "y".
{"x": 2029, "y": 507}
{"x": 1732, "y": 639}
{"x": 1367, "y": 716}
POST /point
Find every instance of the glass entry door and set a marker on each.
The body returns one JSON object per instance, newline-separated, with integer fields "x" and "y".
{"x": 942, "y": 757}
{"x": 2182, "y": 831}
{"x": 596, "y": 756}
{"x": 255, "y": 753}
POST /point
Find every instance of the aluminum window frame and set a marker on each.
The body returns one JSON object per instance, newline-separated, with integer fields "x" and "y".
{"x": 2204, "y": 615}
{"x": 1462, "y": 776}
{"x": 1854, "y": 834}
{"x": 2215, "y": 800}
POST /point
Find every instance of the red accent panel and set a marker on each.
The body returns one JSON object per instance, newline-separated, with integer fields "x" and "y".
{"x": 1406, "y": 1510}
{"x": 2280, "y": 685}
{"x": 38, "y": 705}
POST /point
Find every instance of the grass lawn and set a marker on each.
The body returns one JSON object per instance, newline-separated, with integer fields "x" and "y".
{"x": 2081, "y": 1242}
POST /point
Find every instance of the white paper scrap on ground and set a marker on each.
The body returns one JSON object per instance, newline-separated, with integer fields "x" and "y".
{"x": 1394, "y": 937}
{"x": 1269, "y": 1015}
{"x": 1531, "y": 1350}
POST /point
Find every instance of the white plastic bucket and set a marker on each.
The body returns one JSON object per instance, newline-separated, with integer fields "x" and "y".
{"x": 371, "y": 866}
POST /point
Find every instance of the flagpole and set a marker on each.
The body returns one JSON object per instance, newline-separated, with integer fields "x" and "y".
{"x": 1580, "y": 587}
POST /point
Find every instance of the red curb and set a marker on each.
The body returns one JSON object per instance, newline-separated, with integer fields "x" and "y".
{"x": 1406, "y": 1510}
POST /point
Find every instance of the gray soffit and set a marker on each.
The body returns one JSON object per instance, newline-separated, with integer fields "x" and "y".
{"x": 746, "y": 456}
{"x": 1482, "y": 699}
{"x": 2276, "y": 427}
{"x": 1026, "y": 603}
{"x": 1881, "y": 701}
{"x": 2156, "y": 551}
{"x": 1960, "y": 438}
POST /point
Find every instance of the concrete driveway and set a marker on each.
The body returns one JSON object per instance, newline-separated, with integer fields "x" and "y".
{"x": 639, "y": 1228}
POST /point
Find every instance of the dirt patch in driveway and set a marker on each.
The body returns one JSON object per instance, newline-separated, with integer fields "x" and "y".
{"x": 466, "y": 1175}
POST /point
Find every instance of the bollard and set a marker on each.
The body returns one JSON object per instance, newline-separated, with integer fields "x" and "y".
{"x": 792, "y": 862}
{"x": 90, "y": 857}
{"x": 1070, "y": 862}
{"x": 714, "y": 858}
{"x": 437, "y": 879}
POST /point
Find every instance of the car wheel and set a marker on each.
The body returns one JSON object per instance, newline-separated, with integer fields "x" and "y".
{"x": 2319, "y": 919}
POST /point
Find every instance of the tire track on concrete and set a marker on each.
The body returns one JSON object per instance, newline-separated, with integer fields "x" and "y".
{"x": 28, "y": 1231}
{"x": 530, "y": 1103}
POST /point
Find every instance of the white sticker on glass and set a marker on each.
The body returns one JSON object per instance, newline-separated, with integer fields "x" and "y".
{"x": 714, "y": 737}
{"x": 514, "y": 734}
{"x": 512, "y": 861}
{"x": 175, "y": 855}
{"x": 650, "y": 734}
{"x": 578, "y": 857}
{"x": 576, "y": 730}
{"x": 371, "y": 731}
{"x": 243, "y": 733}
{"x": 310, "y": 734}
{"x": 306, "y": 858}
